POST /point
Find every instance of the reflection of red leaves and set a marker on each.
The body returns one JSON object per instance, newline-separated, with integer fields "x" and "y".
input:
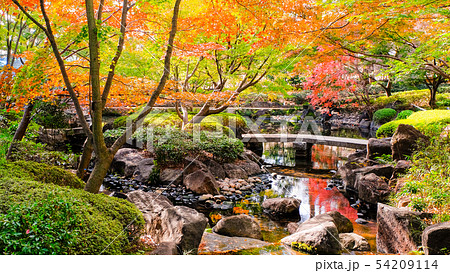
{"x": 330, "y": 199}
{"x": 239, "y": 210}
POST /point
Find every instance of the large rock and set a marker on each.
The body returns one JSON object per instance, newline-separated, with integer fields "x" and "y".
{"x": 399, "y": 230}
{"x": 239, "y": 226}
{"x": 250, "y": 167}
{"x": 378, "y": 147}
{"x": 282, "y": 208}
{"x": 171, "y": 176}
{"x": 404, "y": 141}
{"x": 165, "y": 248}
{"x": 372, "y": 188}
{"x": 125, "y": 161}
{"x": 342, "y": 223}
{"x": 213, "y": 243}
{"x": 353, "y": 241}
{"x": 436, "y": 239}
{"x": 192, "y": 165}
{"x": 201, "y": 182}
{"x": 253, "y": 156}
{"x": 323, "y": 238}
{"x": 143, "y": 170}
{"x": 234, "y": 171}
{"x": 216, "y": 169}
{"x": 167, "y": 223}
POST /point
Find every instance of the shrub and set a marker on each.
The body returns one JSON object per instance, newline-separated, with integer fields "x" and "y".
{"x": 384, "y": 115}
{"x": 120, "y": 122}
{"x": 43, "y": 227}
{"x": 112, "y": 135}
{"x": 51, "y": 115}
{"x": 104, "y": 225}
{"x": 428, "y": 122}
{"x": 427, "y": 183}
{"x": 418, "y": 97}
{"x": 41, "y": 172}
{"x": 30, "y": 151}
{"x": 404, "y": 114}
{"x": 222, "y": 148}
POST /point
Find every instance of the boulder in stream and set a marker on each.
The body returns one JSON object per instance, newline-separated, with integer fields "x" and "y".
{"x": 239, "y": 226}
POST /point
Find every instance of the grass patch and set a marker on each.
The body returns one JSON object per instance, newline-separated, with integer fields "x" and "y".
{"x": 428, "y": 122}
{"x": 428, "y": 181}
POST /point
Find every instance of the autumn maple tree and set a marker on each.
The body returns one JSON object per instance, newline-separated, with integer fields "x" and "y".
{"x": 90, "y": 29}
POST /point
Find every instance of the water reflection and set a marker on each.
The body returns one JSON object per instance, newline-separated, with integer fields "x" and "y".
{"x": 315, "y": 196}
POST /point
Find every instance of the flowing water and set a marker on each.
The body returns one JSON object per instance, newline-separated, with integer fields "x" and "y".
{"x": 312, "y": 183}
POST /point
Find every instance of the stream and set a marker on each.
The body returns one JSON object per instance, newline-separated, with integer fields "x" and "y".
{"x": 311, "y": 183}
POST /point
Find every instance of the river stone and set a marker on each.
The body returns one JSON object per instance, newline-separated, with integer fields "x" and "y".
{"x": 292, "y": 227}
{"x": 404, "y": 141}
{"x": 171, "y": 176}
{"x": 125, "y": 161}
{"x": 213, "y": 243}
{"x": 323, "y": 238}
{"x": 353, "y": 241}
{"x": 239, "y": 226}
{"x": 165, "y": 248}
{"x": 436, "y": 238}
{"x": 282, "y": 208}
{"x": 372, "y": 188}
{"x": 201, "y": 182}
{"x": 342, "y": 223}
{"x": 143, "y": 170}
{"x": 378, "y": 147}
{"x": 399, "y": 230}
{"x": 167, "y": 223}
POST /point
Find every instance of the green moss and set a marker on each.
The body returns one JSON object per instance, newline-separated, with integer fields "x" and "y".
{"x": 428, "y": 122}
{"x": 120, "y": 122}
{"x": 384, "y": 115}
{"x": 107, "y": 225}
{"x": 41, "y": 172}
{"x": 304, "y": 247}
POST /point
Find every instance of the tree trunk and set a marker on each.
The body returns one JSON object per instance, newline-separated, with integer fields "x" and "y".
{"x": 101, "y": 168}
{"x": 432, "y": 101}
{"x": 22, "y": 129}
{"x": 88, "y": 148}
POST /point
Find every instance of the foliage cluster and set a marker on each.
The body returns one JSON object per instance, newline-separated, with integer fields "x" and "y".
{"x": 171, "y": 145}
{"x": 406, "y": 98}
{"x": 50, "y": 219}
{"x": 429, "y": 122}
{"x": 384, "y": 115}
{"x": 51, "y": 115}
{"x": 28, "y": 150}
{"x": 427, "y": 183}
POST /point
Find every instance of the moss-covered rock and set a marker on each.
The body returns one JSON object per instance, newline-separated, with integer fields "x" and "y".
{"x": 29, "y": 170}
{"x": 104, "y": 225}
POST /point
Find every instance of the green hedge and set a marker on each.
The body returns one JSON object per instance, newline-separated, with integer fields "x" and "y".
{"x": 404, "y": 114}
{"x": 429, "y": 122}
{"x": 39, "y": 218}
{"x": 384, "y": 115}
